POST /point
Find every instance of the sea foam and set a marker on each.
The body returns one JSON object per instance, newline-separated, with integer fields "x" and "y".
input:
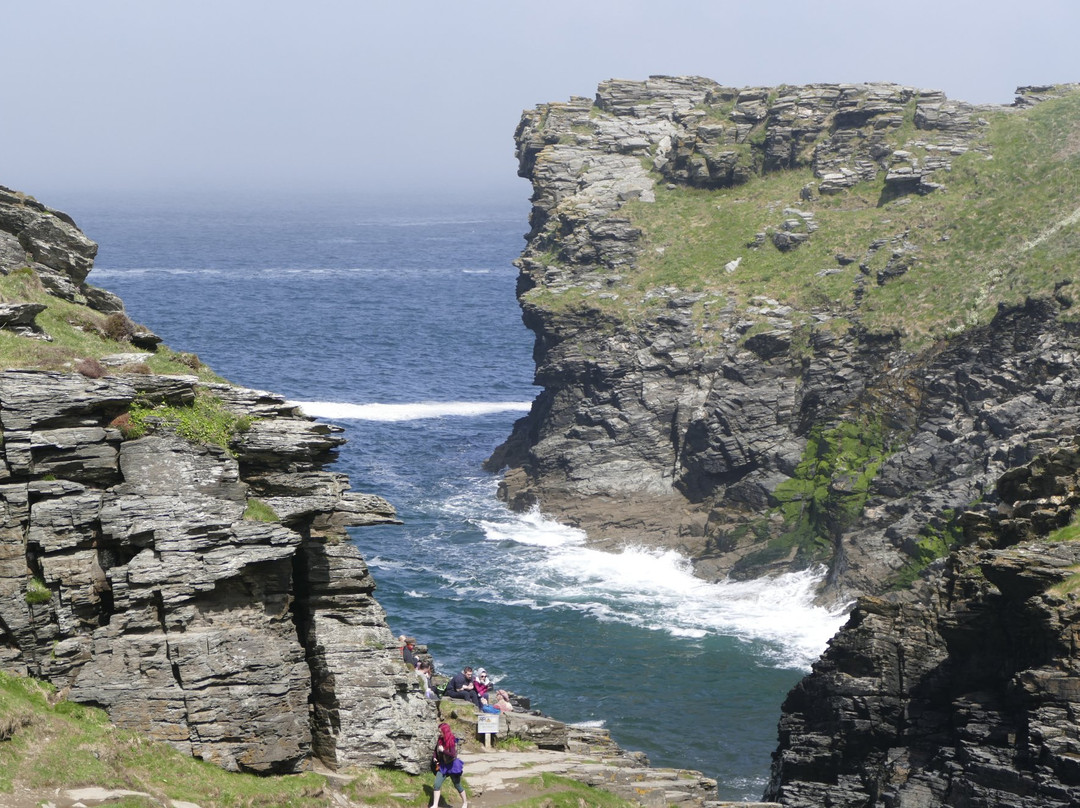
{"x": 657, "y": 589}
{"x": 340, "y": 411}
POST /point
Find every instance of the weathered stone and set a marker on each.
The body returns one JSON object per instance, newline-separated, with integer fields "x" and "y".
{"x": 59, "y": 245}
{"x": 129, "y": 574}
{"x": 19, "y": 317}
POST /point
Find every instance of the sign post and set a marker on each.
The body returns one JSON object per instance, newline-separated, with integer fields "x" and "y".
{"x": 487, "y": 724}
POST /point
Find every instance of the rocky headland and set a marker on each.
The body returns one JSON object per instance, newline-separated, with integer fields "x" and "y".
{"x": 781, "y": 327}
{"x": 173, "y": 548}
{"x": 831, "y": 324}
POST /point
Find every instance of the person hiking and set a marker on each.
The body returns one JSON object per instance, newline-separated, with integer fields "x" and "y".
{"x": 446, "y": 763}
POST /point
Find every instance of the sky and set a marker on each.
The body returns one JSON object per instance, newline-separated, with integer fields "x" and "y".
{"x": 422, "y": 97}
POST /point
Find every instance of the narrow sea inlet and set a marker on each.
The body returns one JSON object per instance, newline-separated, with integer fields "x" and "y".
{"x": 400, "y": 323}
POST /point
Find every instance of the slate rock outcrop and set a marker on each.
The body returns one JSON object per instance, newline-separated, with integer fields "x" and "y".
{"x": 964, "y": 690}
{"x": 134, "y": 575}
{"x": 683, "y": 422}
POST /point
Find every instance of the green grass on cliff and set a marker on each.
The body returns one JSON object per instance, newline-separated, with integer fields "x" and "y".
{"x": 47, "y": 745}
{"x": 75, "y": 332}
{"x": 1005, "y": 226}
{"x": 205, "y": 421}
{"x": 825, "y": 495}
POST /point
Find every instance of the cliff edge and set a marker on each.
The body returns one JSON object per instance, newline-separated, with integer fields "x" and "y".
{"x": 790, "y": 326}
{"x": 171, "y": 547}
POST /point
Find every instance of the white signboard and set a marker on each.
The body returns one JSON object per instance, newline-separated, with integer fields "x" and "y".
{"x": 487, "y": 723}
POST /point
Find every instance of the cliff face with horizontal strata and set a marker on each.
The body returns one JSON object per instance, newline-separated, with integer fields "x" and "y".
{"x": 758, "y": 422}
{"x": 131, "y": 578}
{"x": 962, "y": 691}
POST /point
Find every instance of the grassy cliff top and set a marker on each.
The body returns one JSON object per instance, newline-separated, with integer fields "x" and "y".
{"x": 999, "y": 223}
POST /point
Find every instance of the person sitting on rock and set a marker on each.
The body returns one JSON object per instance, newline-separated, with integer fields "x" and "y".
{"x": 408, "y": 652}
{"x": 461, "y": 686}
{"x": 501, "y": 702}
{"x": 482, "y": 684}
{"x": 423, "y": 672}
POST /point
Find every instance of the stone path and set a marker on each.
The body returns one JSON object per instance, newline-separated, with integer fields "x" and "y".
{"x": 496, "y": 778}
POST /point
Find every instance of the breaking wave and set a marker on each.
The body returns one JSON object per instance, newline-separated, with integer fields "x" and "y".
{"x": 338, "y": 411}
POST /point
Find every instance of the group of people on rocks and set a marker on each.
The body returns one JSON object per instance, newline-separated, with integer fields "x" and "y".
{"x": 478, "y": 689}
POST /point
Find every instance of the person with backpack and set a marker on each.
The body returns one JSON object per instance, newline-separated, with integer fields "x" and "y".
{"x": 445, "y": 763}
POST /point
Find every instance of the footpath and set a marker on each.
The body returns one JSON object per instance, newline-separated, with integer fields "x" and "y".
{"x": 585, "y": 754}
{"x": 500, "y": 778}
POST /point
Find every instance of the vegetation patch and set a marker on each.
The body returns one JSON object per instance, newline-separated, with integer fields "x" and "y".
{"x": 1070, "y": 586}
{"x": 561, "y": 792}
{"x": 1005, "y": 225}
{"x": 259, "y": 511}
{"x": 934, "y": 541}
{"x": 78, "y": 336}
{"x": 1071, "y": 532}
{"x": 206, "y": 421}
{"x": 380, "y": 786}
{"x": 37, "y": 592}
{"x": 47, "y": 746}
{"x": 830, "y": 486}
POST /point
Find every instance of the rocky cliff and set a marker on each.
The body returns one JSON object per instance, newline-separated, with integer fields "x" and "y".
{"x": 785, "y": 326}
{"x": 964, "y": 690}
{"x": 172, "y": 548}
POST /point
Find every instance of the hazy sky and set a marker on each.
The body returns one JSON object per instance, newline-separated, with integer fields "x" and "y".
{"x": 424, "y": 96}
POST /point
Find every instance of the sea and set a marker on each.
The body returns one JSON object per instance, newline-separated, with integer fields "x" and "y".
{"x": 397, "y": 319}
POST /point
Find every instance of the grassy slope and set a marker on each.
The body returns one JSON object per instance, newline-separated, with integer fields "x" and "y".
{"x": 1001, "y": 229}
{"x": 47, "y": 745}
{"x": 76, "y": 331}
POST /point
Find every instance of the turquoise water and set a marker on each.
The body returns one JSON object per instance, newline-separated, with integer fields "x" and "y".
{"x": 400, "y": 323}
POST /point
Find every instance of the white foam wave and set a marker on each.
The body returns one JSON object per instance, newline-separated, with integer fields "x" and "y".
{"x": 534, "y": 529}
{"x": 657, "y": 589}
{"x": 341, "y": 411}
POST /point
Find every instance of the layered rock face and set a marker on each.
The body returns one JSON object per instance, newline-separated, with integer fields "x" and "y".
{"x": 682, "y": 418}
{"x": 963, "y": 691}
{"x": 133, "y": 576}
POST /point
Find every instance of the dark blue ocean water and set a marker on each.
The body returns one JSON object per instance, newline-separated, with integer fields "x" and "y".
{"x": 398, "y": 321}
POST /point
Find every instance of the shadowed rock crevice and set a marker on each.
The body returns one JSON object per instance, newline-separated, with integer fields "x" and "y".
{"x": 961, "y": 691}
